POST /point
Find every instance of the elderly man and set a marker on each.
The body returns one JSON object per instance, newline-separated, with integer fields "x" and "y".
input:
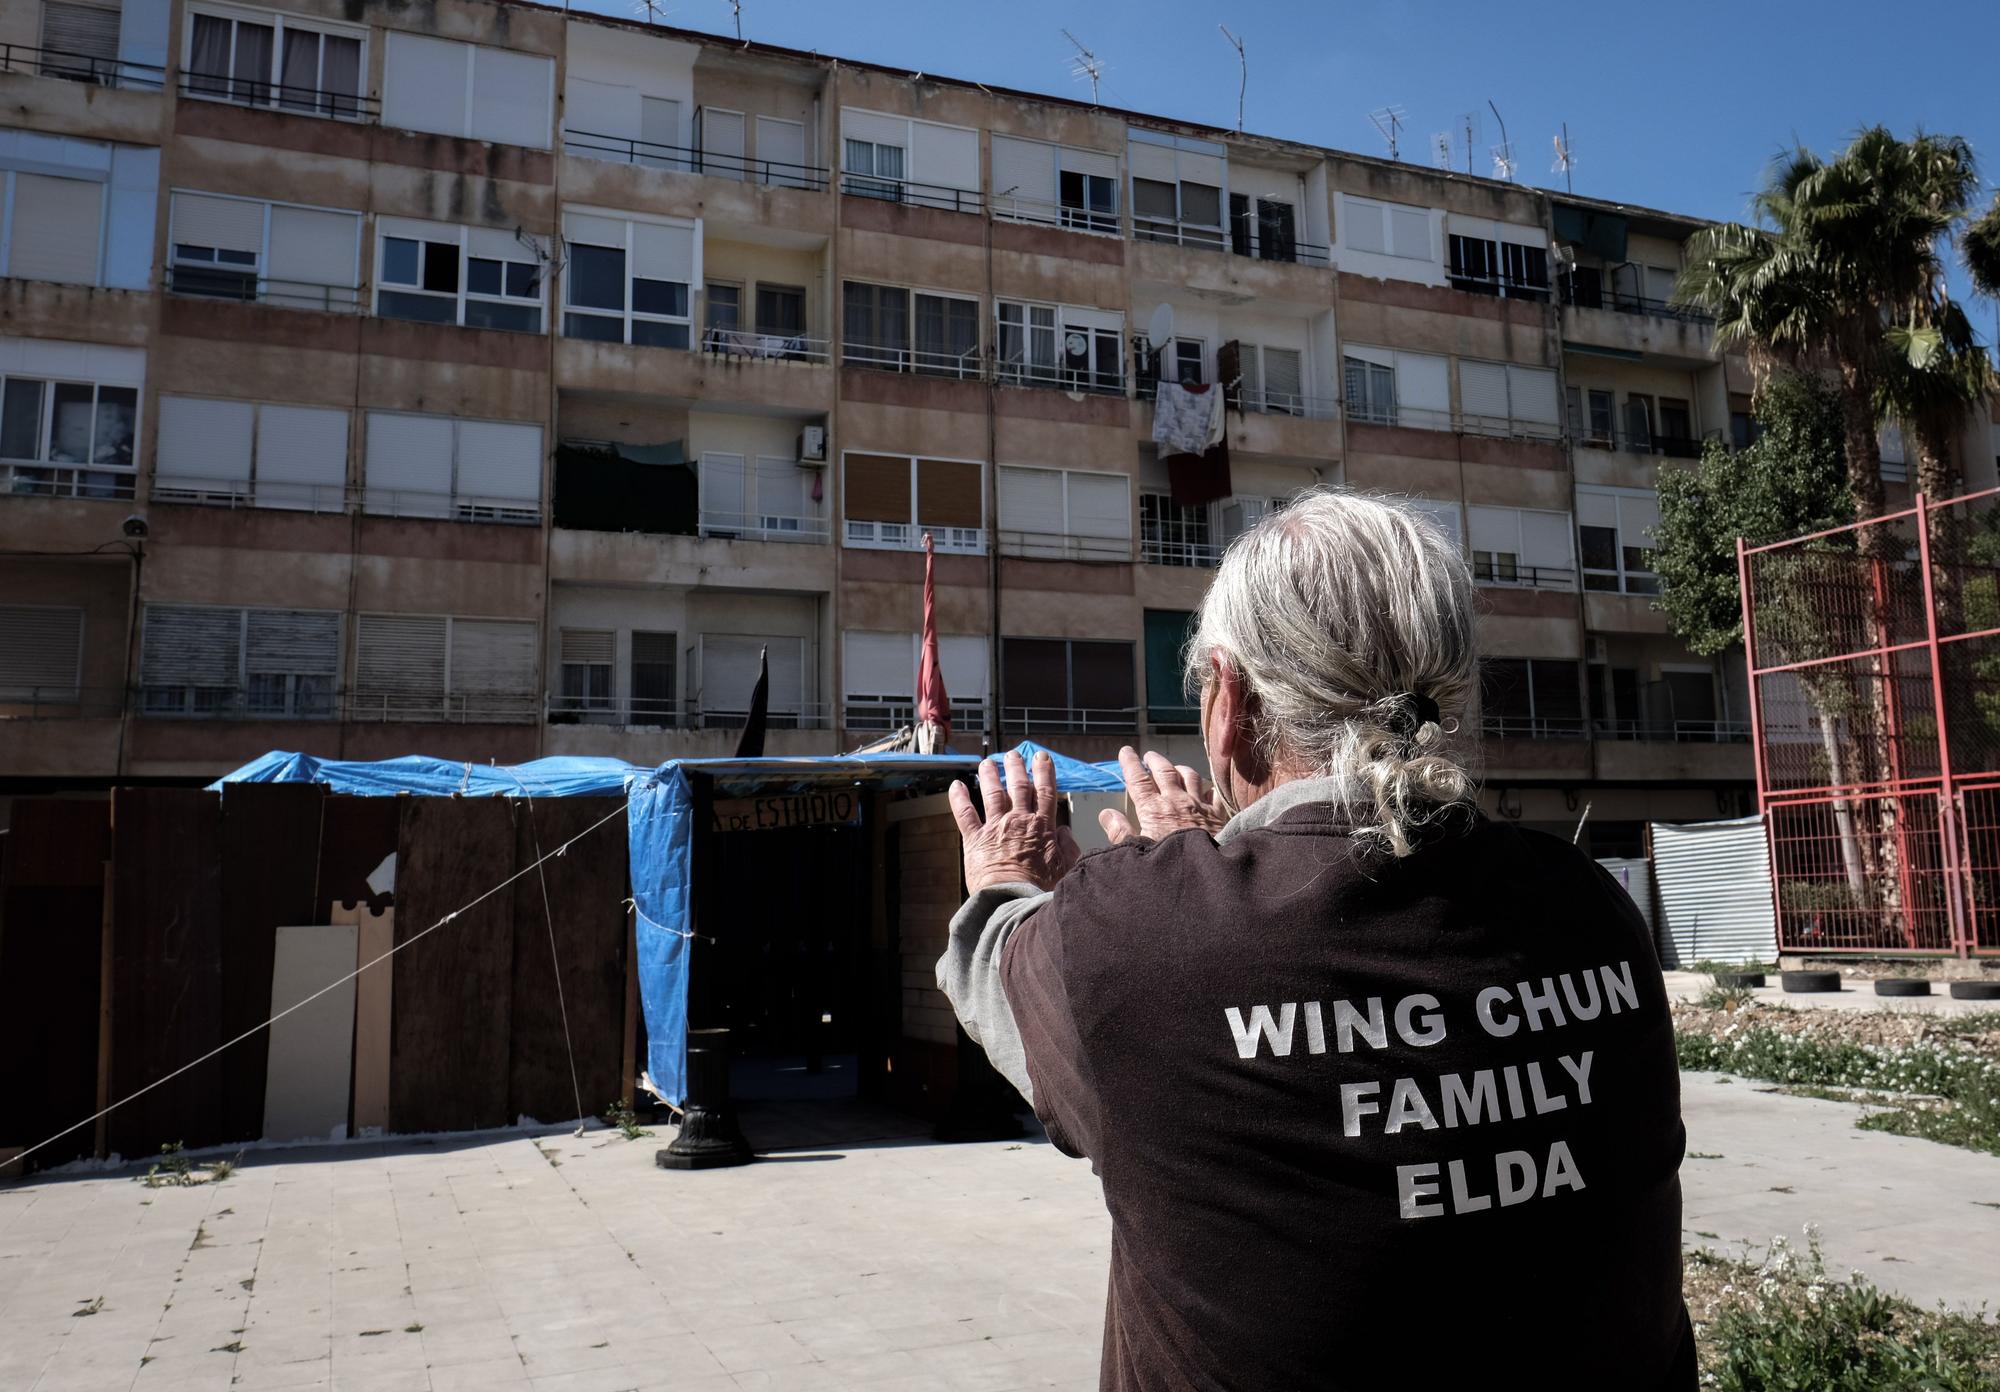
{"x": 1381, "y": 1093}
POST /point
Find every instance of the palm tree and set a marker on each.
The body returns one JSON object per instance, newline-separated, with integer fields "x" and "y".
{"x": 1981, "y": 249}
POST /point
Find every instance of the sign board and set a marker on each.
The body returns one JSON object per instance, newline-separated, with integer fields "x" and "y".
{"x": 837, "y": 807}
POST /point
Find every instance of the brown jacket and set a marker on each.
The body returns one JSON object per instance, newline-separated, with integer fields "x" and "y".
{"x": 1360, "y": 1122}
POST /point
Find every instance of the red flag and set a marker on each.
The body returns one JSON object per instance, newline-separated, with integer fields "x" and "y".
{"x": 933, "y": 704}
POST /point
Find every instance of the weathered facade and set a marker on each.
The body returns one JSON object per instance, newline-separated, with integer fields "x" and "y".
{"x": 483, "y": 380}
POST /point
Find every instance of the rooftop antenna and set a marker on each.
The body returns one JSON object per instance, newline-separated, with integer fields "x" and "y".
{"x": 736, "y": 8}
{"x": 1470, "y": 121}
{"x": 1441, "y": 149}
{"x": 551, "y": 258}
{"x": 1565, "y": 164}
{"x": 1243, "y": 63}
{"x": 1389, "y": 120}
{"x": 1086, "y": 64}
{"x": 652, "y": 11}
{"x": 1503, "y": 153}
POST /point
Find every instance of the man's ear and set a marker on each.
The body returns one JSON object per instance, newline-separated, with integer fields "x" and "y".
{"x": 1231, "y": 717}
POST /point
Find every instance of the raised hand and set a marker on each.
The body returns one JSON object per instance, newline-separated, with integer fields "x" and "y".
{"x": 1018, "y": 840}
{"x": 1166, "y": 798}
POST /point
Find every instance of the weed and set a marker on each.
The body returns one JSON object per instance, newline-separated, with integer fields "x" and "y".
{"x": 1725, "y": 997}
{"x": 233, "y": 1346}
{"x": 621, "y": 1115}
{"x": 370, "y": 1333}
{"x": 248, "y": 1283}
{"x": 89, "y": 1307}
{"x": 1703, "y": 1155}
{"x": 1708, "y": 966}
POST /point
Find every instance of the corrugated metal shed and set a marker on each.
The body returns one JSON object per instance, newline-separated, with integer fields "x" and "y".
{"x": 1714, "y": 885}
{"x": 1636, "y": 875}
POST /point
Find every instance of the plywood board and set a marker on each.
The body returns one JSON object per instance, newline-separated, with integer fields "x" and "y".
{"x": 305, "y": 1092}
{"x": 374, "y": 1013}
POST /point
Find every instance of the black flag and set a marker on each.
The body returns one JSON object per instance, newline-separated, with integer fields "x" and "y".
{"x": 750, "y": 745}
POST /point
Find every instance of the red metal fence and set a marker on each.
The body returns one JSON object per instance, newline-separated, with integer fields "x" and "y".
{"x": 1874, "y": 657}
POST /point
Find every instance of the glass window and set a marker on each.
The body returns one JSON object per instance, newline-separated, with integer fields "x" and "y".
{"x": 722, "y": 307}
{"x": 281, "y": 62}
{"x": 874, "y": 170}
{"x": 21, "y": 418}
{"x": 1474, "y": 265}
{"x": 1089, "y": 201}
{"x": 399, "y": 260}
{"x": 595, "y": 277}
{"x": 781, "y": 309}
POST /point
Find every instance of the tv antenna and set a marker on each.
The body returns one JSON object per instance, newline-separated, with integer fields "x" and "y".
{"x": 545, "y": 257}
{"x": 1565, "y": 164}
{"x": 652, "y": 11}
{"x": 736, "y": 8}
{"x": 1389, "y": 121}
{"x": 1441, "y": 149}
{"x": 1085, "y": 64}
{"x": 1469, "y": 123}
{"x": 1503, "y": 153}
{"x": 1244, "y": 64}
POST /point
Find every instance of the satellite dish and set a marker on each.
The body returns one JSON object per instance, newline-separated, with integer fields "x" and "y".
{"x": 1160, "y": 328}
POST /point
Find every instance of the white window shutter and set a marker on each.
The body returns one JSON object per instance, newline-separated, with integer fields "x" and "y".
{"x": 1031, "y": 509}
{"x": 1596, "y": 509}
{"x": 1482, "y": 392}
{"x": 301, "y": 458}
{"x": 424, "y": 84}
{"x": 608, "y": 110}
{"x": 408, "y": 465}
{"x": 781, "y": 151}
{"x": 492, "y": 665}
{"x": 1100, "y": 506}
{"x": 947, "y": 156}
{"x": 660, "y": 126}
{"x": 964, "y": 659}
{"x": 1146, "y": 160}
{"x": 1024, "y": 177}
{"x": 1283, "y": 377}
{"x": 1547, "y": 540}
{"x": 1367, "y": 227}
{"x": 56, "y": 229}
{"x": 1638, "y": 518}
{"x": 187, "y": 645}
{"x": 595, "y": 231}
{"x": 724, "y": 489}
{"x": 1410, "y": 233}
{"x": 880, "y": 664}
{"x": 1097, "y": 163}
{"x": 781, "y": 490}
{"x": 41, "y": 651}
{"x": 589, "y": 645}
{"x": 1494, "y": 529}
{"x": 662, "y": 253}
{"x": 510, "y": 97}
{"x": 301, "y": 642}
{"x": 1423, "y": 383}
{"x": 722, "y": 143}
{"x": 203, "y": 442}
{"x": 229, "y": 224}
{"x": 312, "y": 249}
{"x": 788, "y": 675}
{"x": 728, "y": 672}
{"x": 399, "y": 665}
{"x": 1531, "y": 392}
{"x": 499, "y": 462}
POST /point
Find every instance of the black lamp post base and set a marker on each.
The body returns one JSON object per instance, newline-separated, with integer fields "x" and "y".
{"x": 709, "y": 1137}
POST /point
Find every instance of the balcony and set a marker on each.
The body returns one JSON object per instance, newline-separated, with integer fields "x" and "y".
{"x": 1671, "y": 731}
{"x": 246, "y": 286}
{"x": 888, "y": 713}
{"x": 752, "y": 526}
{"x": 1055, "y": 546}
{"x": 680, "y": 159}
{"x": 94, "y": 71}
{"x": 61, "y": 702}
{"x": 371, "y": 706}
{"x": 1398, "y": 416}
{"x": 1501, "y": 287}
{"x": 276, "y": 697}
{"x": 276, "y": 96}
{"x": 1070, "y": 720}
{"x": 1594, "y": 316}
{"x": 631, "y": 712}
{"x": 764, "y": 346}
{"x": 1533, "y": 727}
{"x": 1070, "y": 217}
{"x": 1015, "y": 372}
{"x": 372, "y": 499}
{"x": 1498, "y": 570}
{"x": 905, "y": 536}
{"x": 912, "y": 194}
{"x": 1641, "y": 441}
{"x": 65, "y": 480}
{"x": 965, "y": 364}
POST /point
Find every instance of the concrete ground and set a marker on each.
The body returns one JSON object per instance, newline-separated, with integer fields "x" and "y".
{"x": 1854, "y": 994}
{"x": 872, "y": 1258}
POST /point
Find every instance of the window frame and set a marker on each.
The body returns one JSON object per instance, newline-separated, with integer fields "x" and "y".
{"x": 258, "y": 270}
{"x": 1072, "y": 718}
{"x": 9, "y": 193}
{"x": 905, "y": 357}
{"x": 1068, "y": 544}
{"x": 239, "y": 705}
{"x": 950, "y": 540}
{"x": 464, "y": 294}
{"x": 1373, "y": 412}
{"x": 1539, "y": 726}
{"x": 1623, "y": 574}
{"x": 325, "y": 105}
{"x": 45, "y": 427}
{"x": 1026, "y": 373}
{"x": 1187, "y": 551}
{"x": 628, "y": 315}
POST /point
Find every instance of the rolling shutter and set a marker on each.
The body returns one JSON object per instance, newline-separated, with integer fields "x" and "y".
{"x": 300, "y": 642}
{"x": 399, "y": 665}
{"x": 499, "y": 462}
{"x": 594, "y": 230}
{"x": 1283, "y": 377}
{"x": 606, "y": 110}
{"x": 1146, "y": 160}
{"x": 56, "y": 229}
{"x": 964, "y": 659}
{"x": 662, "y": 253}
{"x": 876, "y": 488}
{"x": 729, "y": 672}
{"x": 1482, "y": 392}
{"x": 781, "y": 149}
{"x": 724, "y": 489}
{"x": 228, "y": 224}
{"x": 1023, "y": 170}
{"x": 589, "y": 645}
{"x": 183, "y": 645}
{"x": 948, "y": 494}
{"x": 424, "y": 84}
{"x": 510, "y": 97}
{"x": 491, "y": 658}
{"x": 788, "y": 675}
{"x": 1410, "y": 233}
{"x": 1714, "y": 886}
{"x": 1097, "y": 163}
{"x": 660, "y": 129}
{"x": 1423, "y": 383}
{"x": 880, "y": 664}
{"x": 721, "y": 142}
{"x": 1531, "y": 393}
{"x": 880, "y": 130}
{"x": 1546, "y": 540}
{"x": 80, "y": 31}
{"x": 41, "y": 650}
{"x": 1031, "y": 502}
{"x": 947, "y": 156}
{"x": 1100, "y": 505}
{"x": 781, "y": 493}
{"x": 1495, "y": 529}
{"x": 301, "y": 457}
{"x": 204, "y": 442}
{"x": 408, "y": 465}
{"x": 311, "y": 249}
{"x": 1367, "y": 229}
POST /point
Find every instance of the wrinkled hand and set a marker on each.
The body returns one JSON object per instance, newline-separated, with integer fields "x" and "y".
{"x": 1167, "y": 798}
{"x": 1019, "y": 839}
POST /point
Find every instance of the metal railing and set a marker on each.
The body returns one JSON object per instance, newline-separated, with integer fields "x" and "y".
{"x": 1639, "y": 441}
{"x": 1508, "y": 427}
{"x": 764, "y": 526}
{"x": 247, "y": 493}
{"x": 1673, "y": 731}
{"x": 1009, "y": 207}
{"x": 1062, "y": 546}
{"x": 1503, "y": 287}
{"x": 1016, "y": 372}
{"x": 1173, "y": 541}
{"x": 1264, "y": 401}
{"x": 794, "y": 715}
{"x": 278, "y": 96}
{"x": 35, "y": 480}
{"x": 60, "y": 702}
{"x": 631, "y": 712}
{"x": 1509, "y": 574}
{"x": 1068, "y": 720}
{"x": 905, "y": 536}
{"x": 968, "y": 365}
{"x": 1539, "y": 727}
{"x": 363, "y": 705}
{"x": 764, "y": 345}
{"x": 378, "y": 501}
{"x": 894, "y": 712}
{"x": 1174, "y": 232}
{"x": 1622, "y": 302}
{"x": 912, "y": 192}
{"x": 684, "y": 160}
{"x": 82, "y": 67}
{"x": 1464, "y": 423}
{"x": 1302, "y": 253}
{"x": 248, "y": 287}
{"x": 184, "y": 702}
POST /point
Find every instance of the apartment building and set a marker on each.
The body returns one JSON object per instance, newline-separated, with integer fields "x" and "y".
{"x": 489, "y": 381}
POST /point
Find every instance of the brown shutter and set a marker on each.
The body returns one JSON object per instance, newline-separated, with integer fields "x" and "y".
{"x": 877, "y": 488}
{"x": 1034, "y": 673}
{"x": 948, "y": 494}
{"x": 1101, "y": 676}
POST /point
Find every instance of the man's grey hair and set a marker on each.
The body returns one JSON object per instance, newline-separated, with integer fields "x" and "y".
{"x": 1337, "y": 610}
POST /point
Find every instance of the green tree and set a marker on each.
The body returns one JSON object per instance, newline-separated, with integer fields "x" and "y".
{"x": 1981, "y": 249}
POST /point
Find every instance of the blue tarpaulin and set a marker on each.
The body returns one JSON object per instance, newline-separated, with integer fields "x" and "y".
{"x": 659, "y": 821}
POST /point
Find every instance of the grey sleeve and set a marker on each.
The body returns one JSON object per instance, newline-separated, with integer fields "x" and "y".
{"x": 969, "y": 973}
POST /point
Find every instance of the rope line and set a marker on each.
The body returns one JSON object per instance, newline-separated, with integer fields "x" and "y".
{"x": 555, "y": 963}
{"x": 332, "y": 985}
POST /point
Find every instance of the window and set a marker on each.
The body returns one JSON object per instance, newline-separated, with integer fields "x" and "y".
{"x": 80, "y": 42}
{"x": 1485, "y": 266}
{"x": 890, "y": 501}
{"x": 66, "y": 439}
{"x": 254, "y": 663}
{"x": 902, "y": 160}
{"x": 729, "y": 664}
{"x": 437, "y": 667}
{"x": 588, "y": 655}
{"x": 242, "y": 453}
{"x": 718, "y": 134}
{"x": 879, "y": 679}
{"x": 1064, "y": 686}
{"x": 1060, "y": 346}
{"x": 1521, "y": 546}
{"x": 439, "y": 467}
{"x": 1613, "y": 525}
{"x": 1387, "y": 387}
{"x": 477, "y": 277}
{"x": 628, "y": 281}
{"x": 1090, "y": 201}
{"x": 1269, "y": 233}
{"x": 1596, "y": 429}
{"x": 1371, "y": 392}
{"x": 1055, "y": 185}
{"x": 781, "y": 311}
{"x": 1063, "y": 514}
{"x": 655, "y": 688}
{"x": 53, "y": 229}
{"x": 1177, "y": 189}
{"x": 1743, "y": 430}
{"x": 1474, "y": 265}
{"x": 1507, "y": 399}
{"x": 1677, "y": 430}
{"x": 880, "y": 324}
{"x": 1187, "y": 369}
{"x": 1174, "y": 536}
{"x": 41, "y": 655}
{"x": 1169, "y": 705}
{"x": 1273, "y": 380}
{"x": 764, "y": 498}
{"x": 280, "y": 253}
{"x": 275, "y": 60}
{"x": 722, "y": 311}
{"x": 467, "y": 90}
{"x": 1524, "y": 271}
{"x": 874, "y": 170}
{"x": 1387, "y": 229}
{"x": 1530, "y": 698}
{"x": 1639, "y": 424}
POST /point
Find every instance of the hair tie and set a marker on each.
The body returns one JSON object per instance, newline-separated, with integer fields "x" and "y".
{"x": 1410, "y": 711}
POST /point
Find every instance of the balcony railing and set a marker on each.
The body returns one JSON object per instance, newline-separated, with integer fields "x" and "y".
{"x": 684, "y": 160}
{"x": 1465, "y": 423}
{"x": 763, "y": 344}
{"x": 1014, "y": 372}
{"x": 1639, "y": 441}
{"x": 1536, "y": 727}
{"x": 630, "y": 712}
{"x": 1265, "y": 401}
{"x": 65, "y": 480}
{"x": 1622, "y": 302}
{"x": 378, "y": 501}
{"x": 1058, "y": 546}
{"x": 367, "y": 706}
{"x": 967, "y": 364}
{"x": 913, "y": 193}
{"x": 245, "y": 493}
{"x": 903, "y": 536}
{"x": 796, "y": 715}
{"x": 1303, "y": 253}
{"x": 277, "y": 96}
{"x": 894, "y": 712}
{"x": 82, "y": 67}
{"x": 61, "y": 702}
{"x": 1008, "y": 207}
{"x": 1177, "y": 233}
{"x": 1507, "y": 574}
{"x": 1070, "y": 720}
{"x": 248, "y": 287}
{"x": 294, "y": 698}
{"x": 1502, "y": 286}
{"x": 1674, "y": 731}
{"x": 764, "y": 526}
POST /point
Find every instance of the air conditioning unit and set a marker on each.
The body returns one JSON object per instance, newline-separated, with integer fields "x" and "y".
{"x": 812, "y": 445}
{"x": 1593, "y": 651}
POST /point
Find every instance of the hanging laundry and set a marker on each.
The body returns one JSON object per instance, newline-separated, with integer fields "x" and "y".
{"x": 1186, "y": 420}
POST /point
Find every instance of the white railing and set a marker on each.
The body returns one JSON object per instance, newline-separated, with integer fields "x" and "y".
{"x": 781, "y": 714}
{"x": 1177, "y": 545}
{"x": 65, "y": 480}
{"x": 378, "y": 501}
{"x": 1062, "y": 546}
{"x": 967, "y": 364}
{"x": 905, "y": 536}
{"x": 763, "y": 526}
{"x": 471, "y": 707}
{"x": 1014, "y": 372}
{"x": 631, "y": 712}
{"x": 912, "y": 191}
{"x": 764, "y": 346}
{"x": 1178, "y": 233}
{"x": 247, "y": 493}
{"x": 1069, "y": 720}
{"x": 1565, "y": 727}
{"x": 1011, "y": 207}
{"x": 894, "y": 712}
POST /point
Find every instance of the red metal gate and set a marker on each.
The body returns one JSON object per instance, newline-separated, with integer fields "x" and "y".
{"x": 1874, "y": 661}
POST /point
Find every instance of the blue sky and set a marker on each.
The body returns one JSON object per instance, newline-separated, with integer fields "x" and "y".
{"x": 1682, "y": 110}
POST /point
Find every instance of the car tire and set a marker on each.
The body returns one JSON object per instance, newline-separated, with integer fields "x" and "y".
{"x": 1902, "y": 986}
{"x": 1975, "y": 990}
{"x": 1804, "y": 983}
